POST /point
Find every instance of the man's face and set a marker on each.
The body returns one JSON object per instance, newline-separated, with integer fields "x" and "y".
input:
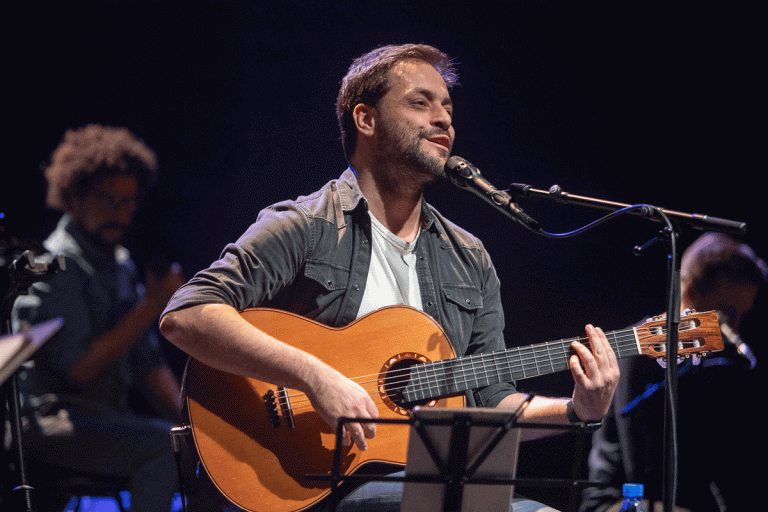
{"x": 414, "y": 130}
{"x": 107, "y": 211}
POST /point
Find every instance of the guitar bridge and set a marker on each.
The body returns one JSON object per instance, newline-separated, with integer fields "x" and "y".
{"x": 269, "y": 400}
{"x": 279, "y": 405}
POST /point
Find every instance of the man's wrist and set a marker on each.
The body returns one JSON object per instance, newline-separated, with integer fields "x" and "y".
{"x": 574, "y": 419}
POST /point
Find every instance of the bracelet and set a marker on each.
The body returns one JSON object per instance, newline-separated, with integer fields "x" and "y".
{"x": 573, "y": 419}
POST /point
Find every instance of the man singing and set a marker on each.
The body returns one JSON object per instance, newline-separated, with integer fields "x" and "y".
{"x": 367, "y": 240}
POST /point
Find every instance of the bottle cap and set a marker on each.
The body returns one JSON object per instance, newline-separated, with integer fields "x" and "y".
{"x": 633, "y": 490}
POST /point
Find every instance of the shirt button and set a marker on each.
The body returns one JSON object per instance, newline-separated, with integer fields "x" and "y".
{"x": 429, "y": 304}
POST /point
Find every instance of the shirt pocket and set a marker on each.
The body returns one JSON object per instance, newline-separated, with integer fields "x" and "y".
{"x": 467, "y": 298}
{"x": 462, "y": 304}
{"x": 328, "y": 275}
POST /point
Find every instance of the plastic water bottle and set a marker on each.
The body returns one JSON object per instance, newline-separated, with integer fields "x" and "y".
{"x": 633, "y": 498}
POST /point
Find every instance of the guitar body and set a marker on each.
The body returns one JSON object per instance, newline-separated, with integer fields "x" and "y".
{"x": 257, "y": 451}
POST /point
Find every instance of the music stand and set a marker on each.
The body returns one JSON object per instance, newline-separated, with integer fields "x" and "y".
{"x": 505, "y": 424}
{"x": 16, "y": 349}
{"x": 460, "y": 460}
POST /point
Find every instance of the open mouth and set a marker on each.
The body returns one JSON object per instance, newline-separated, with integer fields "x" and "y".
{"x": 442, "y": 141}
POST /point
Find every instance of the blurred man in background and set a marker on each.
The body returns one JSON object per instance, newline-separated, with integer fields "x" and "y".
{"x": 717, "y": 417}
{"x": 76, "y": 392}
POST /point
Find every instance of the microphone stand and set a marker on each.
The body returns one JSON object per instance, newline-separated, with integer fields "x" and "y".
{"x": 23, "y": 273}
{"x": 669, "y": 236}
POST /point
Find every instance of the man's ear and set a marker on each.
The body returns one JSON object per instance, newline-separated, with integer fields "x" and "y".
{"x": 365, "y": 119}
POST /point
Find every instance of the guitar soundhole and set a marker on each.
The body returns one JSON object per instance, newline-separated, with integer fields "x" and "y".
{"x": 397, "y": 380}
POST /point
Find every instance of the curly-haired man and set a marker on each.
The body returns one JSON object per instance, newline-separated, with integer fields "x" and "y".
{"x": 77, "y": 390}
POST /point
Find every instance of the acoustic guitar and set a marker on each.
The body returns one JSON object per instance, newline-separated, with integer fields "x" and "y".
{"x": 257, "y": 441}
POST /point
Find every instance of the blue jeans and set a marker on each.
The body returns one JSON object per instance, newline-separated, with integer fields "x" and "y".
{"x": 386, "y": 497}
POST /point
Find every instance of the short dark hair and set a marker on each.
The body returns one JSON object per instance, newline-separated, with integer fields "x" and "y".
{"x": 715, "y": 257}
{"x": 88, "y": 154}
{"x": 366, "y": 82}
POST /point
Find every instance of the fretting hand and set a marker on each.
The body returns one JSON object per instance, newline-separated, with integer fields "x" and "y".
{"x": 596, "y": 374}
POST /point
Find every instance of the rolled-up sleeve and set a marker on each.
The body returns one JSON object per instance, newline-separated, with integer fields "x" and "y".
{"x": 262, "y": 262}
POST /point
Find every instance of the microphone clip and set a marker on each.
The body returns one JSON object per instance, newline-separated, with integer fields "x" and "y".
{"x": 467, "y": 176}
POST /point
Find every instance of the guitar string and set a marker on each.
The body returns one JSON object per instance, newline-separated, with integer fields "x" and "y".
{"x": 502, "y": 362}
{"x": 464, "y": 372}
{"x": 476, "y": 361}
{"x": 619, "y": 340}
{"x": 470, "y": 364}
{"x": 456, "y": 369}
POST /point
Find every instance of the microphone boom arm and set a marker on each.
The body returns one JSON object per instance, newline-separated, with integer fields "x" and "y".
{"x": 696, "y": 220}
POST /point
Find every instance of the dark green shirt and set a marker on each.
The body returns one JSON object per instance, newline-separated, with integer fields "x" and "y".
{"x": 311, "y": 256}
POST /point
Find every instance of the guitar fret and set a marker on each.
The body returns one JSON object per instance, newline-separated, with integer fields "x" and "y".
{"x": 430, "y": 374}
{"x": 536, "y": 357}
{"x": 566, "y": 348}
{"x": 529, "y": 367}
{"x": 485, "y": 380}
{"x": 448, "y": 382}
{"x": 501, "y": 368}
{"x": 614, "y": 344}
{"x": 515, "y": 368}
{"x": 499, "y": 371}
{"x": 550, "y": 362}
{"x": 418, "y": 382}
{"x": 470, "y": 377}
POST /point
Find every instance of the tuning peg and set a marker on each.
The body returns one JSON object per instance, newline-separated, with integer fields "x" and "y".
{"x": 663, "y": 360}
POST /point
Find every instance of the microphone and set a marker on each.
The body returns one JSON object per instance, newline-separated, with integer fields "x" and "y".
{"x": 742, "y": 348}
{"x": 465, "y": 175}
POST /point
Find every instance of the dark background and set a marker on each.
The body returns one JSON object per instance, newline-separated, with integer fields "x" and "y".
{"x": 643, "y": 103}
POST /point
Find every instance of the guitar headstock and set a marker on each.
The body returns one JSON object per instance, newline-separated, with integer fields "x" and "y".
{"x": 698, "y": 333}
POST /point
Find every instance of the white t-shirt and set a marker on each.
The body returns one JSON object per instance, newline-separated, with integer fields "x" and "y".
{"x": 392, "y": 275}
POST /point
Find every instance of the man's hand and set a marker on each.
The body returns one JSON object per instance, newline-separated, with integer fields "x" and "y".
{"x": 596, "y": 374}
{"x": 334, "y": 396}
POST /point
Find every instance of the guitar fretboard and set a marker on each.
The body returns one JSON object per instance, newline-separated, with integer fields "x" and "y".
{"x": 451, "y": 376}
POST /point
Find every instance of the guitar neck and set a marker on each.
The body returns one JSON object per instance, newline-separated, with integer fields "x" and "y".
{"x": 447, "y": 377}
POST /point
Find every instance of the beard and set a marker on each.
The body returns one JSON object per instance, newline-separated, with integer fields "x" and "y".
{"x": 108, "y": 236}
{"x": 406, "y": 160}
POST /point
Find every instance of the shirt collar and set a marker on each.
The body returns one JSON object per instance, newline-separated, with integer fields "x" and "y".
{"x": 349, "y": 191}
{"x": 81, "y": 245}
{"x": 352, "y": 198}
